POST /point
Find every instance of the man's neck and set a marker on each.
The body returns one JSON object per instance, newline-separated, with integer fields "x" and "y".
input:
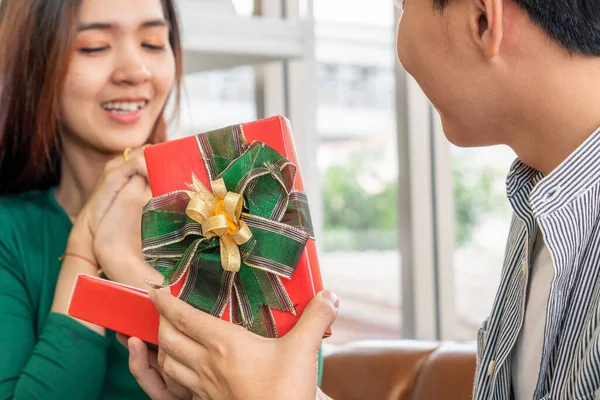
{"x": 558, "y": 116}
{"x": 81, "y": 168}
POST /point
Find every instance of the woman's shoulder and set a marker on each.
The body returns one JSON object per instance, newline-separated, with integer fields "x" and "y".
{"x": 25, "y": 219}
{"x": 29, "y": 196}
{"x": 25, "y": 205}
{"x": 22, "y": 214}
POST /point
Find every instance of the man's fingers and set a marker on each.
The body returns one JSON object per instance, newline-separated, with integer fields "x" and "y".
{"x": 318, "y": 315}
{"x": 203, "y": 328}
{"x": 178, "y": 346}
{"x": 180, "y": 379}
{"x": 173, "y": 386}
{"x": 147, "y": 376}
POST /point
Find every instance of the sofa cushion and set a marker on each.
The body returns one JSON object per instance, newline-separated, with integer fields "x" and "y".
{"x": 399, "y": 370}
{"x": 373, "y": 369}
{"x": 447, "y": 373}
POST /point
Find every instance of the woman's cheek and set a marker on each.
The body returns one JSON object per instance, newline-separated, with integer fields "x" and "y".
{"x": 85, "y": 78}
{"x": 166, "y": 74}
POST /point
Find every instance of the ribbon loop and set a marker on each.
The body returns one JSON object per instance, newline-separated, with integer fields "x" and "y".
{"x": 243, "y": 234}
{"x": 219, "y": 188}
{"x": 215, "y": 226}
{"x": 232, "y": 207}
{"x": 200, "y": 208}
{"x": 230, "y": 254}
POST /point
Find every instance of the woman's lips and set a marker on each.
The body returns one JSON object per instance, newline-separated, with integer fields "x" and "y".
{"x": 123, "y": 117}
{"x": 125, "y": 111}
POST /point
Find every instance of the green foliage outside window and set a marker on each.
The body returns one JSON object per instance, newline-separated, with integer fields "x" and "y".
{"x": 360, "y": 207}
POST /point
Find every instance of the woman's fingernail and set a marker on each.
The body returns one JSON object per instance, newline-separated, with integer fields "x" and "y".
{"x": 332, "y": 298}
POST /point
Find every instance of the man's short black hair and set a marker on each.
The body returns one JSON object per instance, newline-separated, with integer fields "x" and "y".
{"x": 575, "y": 24}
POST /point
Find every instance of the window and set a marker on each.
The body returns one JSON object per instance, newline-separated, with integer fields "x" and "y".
{"x": 482, "y": 221}
{"x": 243, "y": 7}
{"x": 217, "y": 98}
{"x": 214, "y": 99}
{"x": 357, "y": 160}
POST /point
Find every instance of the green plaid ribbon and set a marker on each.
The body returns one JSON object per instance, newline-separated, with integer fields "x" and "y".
{"x": 278, "y": 218}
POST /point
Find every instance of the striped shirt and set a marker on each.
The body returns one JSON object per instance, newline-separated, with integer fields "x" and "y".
{"x": 565, "y": 206}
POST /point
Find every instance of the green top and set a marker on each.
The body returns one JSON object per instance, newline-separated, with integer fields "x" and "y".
{"x": 48, "y": 355}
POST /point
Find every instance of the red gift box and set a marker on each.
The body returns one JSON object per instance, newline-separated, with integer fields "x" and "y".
{"x": 170, "y": 167}
{"x": 118, "y": 307}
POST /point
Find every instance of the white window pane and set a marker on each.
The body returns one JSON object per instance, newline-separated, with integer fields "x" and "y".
{"x": 243, "y": 7}
{"x": 358, "y": 163}
{"x": 216, "y": 99}
{"x": 483, "y": 216}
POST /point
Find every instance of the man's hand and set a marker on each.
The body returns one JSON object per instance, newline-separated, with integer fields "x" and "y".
{"x": 143, "y": 363}
{"x": 218, "y": 360}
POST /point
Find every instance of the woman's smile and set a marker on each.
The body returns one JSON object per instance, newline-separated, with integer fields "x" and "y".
{"x": 125, "y": 110}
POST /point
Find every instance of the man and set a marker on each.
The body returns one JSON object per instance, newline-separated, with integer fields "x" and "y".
{"x": 523, "y": 73}
{"x": 526, "y": 73}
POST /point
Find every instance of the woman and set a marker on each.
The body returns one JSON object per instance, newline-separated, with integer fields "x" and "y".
{"x": 81, "y": 82}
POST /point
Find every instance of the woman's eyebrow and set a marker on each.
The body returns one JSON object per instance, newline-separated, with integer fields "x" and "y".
{"x": 110, "y": 26}
{"x": 103, "y": 26}
{"x": 155, "y": 22}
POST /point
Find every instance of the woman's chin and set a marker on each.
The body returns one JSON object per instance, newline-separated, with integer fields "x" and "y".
{"x": 123, "y": 140}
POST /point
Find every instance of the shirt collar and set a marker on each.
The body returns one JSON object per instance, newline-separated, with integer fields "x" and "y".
{"x": 575, "y": 175}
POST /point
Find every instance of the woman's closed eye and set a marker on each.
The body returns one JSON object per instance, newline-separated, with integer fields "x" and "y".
{"x": 92, "y": 50}
{"x": 151, "y": 46}
{"x": 100, "y": 49}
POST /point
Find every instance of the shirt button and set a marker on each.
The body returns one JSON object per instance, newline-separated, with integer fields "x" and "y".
{"x": 491, "y": 367}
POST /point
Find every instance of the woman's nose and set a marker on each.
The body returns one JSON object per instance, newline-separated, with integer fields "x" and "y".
{"x": 131, "y": 71}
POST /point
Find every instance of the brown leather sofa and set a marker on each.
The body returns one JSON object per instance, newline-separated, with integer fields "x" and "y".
{"x": 399, "y": 370}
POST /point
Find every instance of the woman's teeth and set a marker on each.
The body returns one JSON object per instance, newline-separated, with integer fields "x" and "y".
{"x": 124, "y": 107}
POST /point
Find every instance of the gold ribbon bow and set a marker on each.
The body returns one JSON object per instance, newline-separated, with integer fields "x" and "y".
{"x": 219, "y": 215}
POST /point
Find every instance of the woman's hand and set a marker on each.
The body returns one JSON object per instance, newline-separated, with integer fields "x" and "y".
{"x": 116, "y": 175}
{"x": 107, "y": 229}
{"x": 118, "y": 240}
{"x": 121, "y": 179}
{"x": 218, "y": 360}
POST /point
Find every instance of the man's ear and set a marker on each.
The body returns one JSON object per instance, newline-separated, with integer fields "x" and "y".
{"x": 487, "y": 26}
